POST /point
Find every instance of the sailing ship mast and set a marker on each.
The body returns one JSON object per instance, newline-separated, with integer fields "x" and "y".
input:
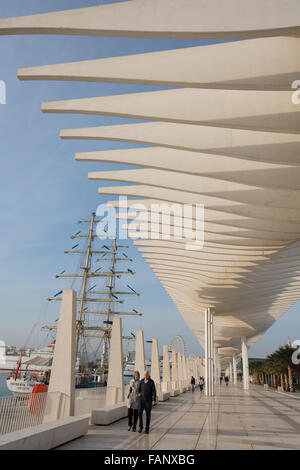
{"x": 111, "y": 295}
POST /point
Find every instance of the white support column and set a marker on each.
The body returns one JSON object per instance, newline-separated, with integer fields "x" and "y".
{"x": 61, "y": 390}
{"x": 187, "y": 372}
{"x": 234, "y": 370}
{"x": 209, "y": 353}
{"x": 207, "y": 349}
{"x": 190, "y": 368}
{"x": 194, "y": 368}
{"x": 196, "y": 371}
{"x": 155, "y": 366}
{"x": 115, "y": 381}
{"x": 166, "y": 383}
{"x": 180, "y": 374}
{"x": 175, "y": 384}
{"x": 201, "y": 368}
{"x": 139, "y": 353}
{"x": 212, "y": 352}
{"x": 245, "y": 364}
{"x": 230, "y": 372}
{"x": 217, "y": 366}
{"x": 184, "y": 370}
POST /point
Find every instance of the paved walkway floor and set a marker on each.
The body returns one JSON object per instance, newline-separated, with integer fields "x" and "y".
{"x": 233, "y": 419}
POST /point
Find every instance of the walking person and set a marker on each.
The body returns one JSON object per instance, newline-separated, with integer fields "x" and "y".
{"x": 132, "y": 405}
{"x": 226, "y": 380}
{"x": 201, "y": 385}
{"x": 193, "y": 383}
{"x": 221, "y": 380}
{"x": 136, "y": 376}
{"x": 147, "y": 398}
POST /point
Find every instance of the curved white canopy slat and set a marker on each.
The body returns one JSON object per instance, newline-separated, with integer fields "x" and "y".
{"x": 258, "y": 64}
{"x": 176, "y": 19}
{"x": 270, "y": 111}
{"x": 270, "y": 147}
{"x": 228, "y": 139}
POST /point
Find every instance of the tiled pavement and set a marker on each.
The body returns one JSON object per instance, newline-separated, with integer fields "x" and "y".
{"x": 233, "y": 419}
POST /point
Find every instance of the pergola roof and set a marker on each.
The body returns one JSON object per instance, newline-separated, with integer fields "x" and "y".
{"x": 228, "y": 139}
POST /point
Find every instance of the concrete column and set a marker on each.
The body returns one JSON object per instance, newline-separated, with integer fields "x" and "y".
{"x": 189, "y": 368}
{"x": 175, "y": 384}
{"x": 212, "y": 362}
{"x": 184, "y": 371}
{"x": 245, "y": 364}
{"x": 61, "y": 390}
{"x": 115, "y": 381}
{"x": 218, "y": 369}
{"x": 201, "y": 367}
{"x": 198, "y": 372}
{"x": 234, "y": 370}
{"x": 230, "y": 372}
{"x": 188, "y": 372}
{"x": 139, "y": 353}
{"x": 166, "y": 383}
{"x": 188, "y": 379}
{"x": 155, "y": 366}
{"x": 191, "y": 365}
{"x": 194, "y": 369}
{"x": 215, "y": 363}
{"x": 179, "y": 368}
{"x": 207, "y": 350}
{"x": 209, "y": 353}
{"x": 183, "y": 367}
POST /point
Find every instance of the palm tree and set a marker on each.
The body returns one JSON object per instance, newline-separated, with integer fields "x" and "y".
{"x": 256, "y": 370}
{"x": 273, "y": 366}
{"x": 282, "y": 362}
{"x": 276, "y": 369}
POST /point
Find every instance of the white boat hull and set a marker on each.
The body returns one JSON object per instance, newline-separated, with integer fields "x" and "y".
{"x": 21, "y": 387}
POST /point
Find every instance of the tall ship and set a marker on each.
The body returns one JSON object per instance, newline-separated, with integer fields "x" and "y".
{"x": 103, "y": 272}
{"x": 34, "y": 359}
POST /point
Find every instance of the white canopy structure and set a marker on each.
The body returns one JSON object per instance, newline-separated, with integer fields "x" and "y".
{"x": 227, "y": 136}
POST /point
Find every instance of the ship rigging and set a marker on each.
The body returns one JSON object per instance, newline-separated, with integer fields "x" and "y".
{"x": 108, "y": 297}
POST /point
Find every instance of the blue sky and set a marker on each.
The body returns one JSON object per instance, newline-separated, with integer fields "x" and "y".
{"x": 44, "y": 192}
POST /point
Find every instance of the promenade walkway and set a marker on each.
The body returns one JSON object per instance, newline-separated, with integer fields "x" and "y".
{"x": 233, "y": 419}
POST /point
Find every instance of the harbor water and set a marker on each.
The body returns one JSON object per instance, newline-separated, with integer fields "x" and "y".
{"x": 4, "y": 392}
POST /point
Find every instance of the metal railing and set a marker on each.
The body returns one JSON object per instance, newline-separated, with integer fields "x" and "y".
{"x": 21, "y": 412}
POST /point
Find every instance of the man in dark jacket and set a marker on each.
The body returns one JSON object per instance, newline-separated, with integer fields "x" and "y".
{"x": 193, "y": 381}
{"x": 147, "y": 393}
